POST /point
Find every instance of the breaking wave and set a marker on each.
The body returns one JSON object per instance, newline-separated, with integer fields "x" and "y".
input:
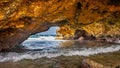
{"x": 13, "y": 56}
{"x": 47, "y": 46}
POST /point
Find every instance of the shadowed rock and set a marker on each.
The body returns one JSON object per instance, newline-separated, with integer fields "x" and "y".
{"x": 22, "y": 18}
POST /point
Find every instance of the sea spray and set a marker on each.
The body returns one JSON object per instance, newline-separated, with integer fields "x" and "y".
{"x": 12, "y": 56}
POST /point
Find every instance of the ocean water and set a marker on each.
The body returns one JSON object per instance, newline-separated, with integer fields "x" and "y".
{"x": 37, "y": 46}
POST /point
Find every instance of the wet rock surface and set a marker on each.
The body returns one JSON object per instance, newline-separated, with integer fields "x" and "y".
{"x": 96, "y": 61}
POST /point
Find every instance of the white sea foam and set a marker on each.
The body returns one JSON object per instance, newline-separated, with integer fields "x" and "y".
{"x": 119, "y": 41}
{"x": 41, "y": 42}
{"x": 41, "y": 45}
{"x": 43, "y": 38}
{"x": 35, "y": 55}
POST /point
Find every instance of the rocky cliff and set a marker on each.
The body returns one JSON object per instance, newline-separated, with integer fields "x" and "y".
{"x": 21, "y": 18}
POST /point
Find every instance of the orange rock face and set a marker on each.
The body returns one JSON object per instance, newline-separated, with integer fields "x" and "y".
{"x": 21, "y": 18}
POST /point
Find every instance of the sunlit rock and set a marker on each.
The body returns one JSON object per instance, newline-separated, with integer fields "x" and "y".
{"x": 21, "y": 18}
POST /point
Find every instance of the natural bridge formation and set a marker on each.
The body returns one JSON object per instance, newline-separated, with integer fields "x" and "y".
{"x": 21, "y": 18}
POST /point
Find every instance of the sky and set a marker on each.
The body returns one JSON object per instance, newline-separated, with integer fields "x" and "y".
{"x": 51, "y": 31}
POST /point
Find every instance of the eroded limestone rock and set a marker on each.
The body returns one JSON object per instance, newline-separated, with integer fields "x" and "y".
{"x": 21, "y": 18}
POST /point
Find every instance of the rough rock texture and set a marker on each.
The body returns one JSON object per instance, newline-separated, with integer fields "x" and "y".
{"x": 21, "y": 18}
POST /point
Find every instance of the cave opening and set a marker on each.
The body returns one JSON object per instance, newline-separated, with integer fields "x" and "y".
{"x": 43, "y": 40}
{"x": 43, "y": 36}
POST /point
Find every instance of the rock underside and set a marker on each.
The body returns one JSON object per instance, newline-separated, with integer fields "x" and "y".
{"x": 21, "y": 18}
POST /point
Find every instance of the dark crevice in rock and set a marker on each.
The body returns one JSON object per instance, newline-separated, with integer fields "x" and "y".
{"x": 28, "y": 20}
{"x": 84, "y": 34}
{"x": 8, "y": 30}
{"x": 116, "y": 14}
{"x": 114, "y": 2}
{"x": 87, "y": 5}
{"x": 117, "y": 67}
{"x": 58, "y": 0}
{"x": 79, "y": 5}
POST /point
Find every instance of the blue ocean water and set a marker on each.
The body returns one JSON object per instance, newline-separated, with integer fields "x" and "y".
{"x": 38, "y": 42}
{"x": 45, "y": 44}
{"x": 38, "y": 46}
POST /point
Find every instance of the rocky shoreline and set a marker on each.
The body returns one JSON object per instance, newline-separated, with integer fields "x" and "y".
{"x": 105, "y": 60}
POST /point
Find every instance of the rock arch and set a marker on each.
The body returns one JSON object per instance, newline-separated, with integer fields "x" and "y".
{"x": 21, "y": 18}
